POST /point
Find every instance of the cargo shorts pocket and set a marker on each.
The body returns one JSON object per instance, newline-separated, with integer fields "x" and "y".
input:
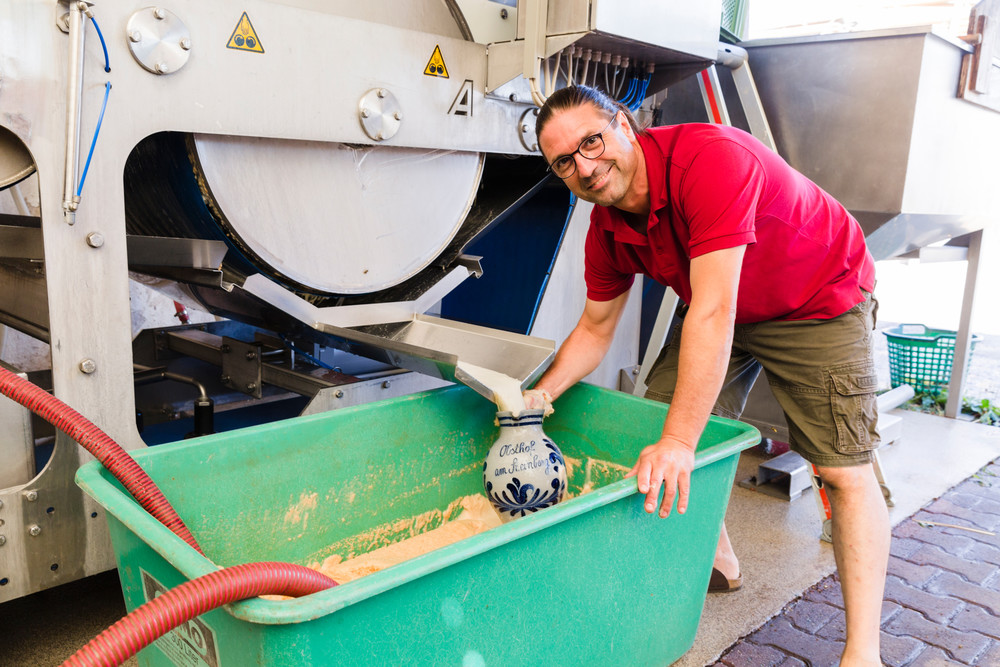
{"x": 855, "y": 411}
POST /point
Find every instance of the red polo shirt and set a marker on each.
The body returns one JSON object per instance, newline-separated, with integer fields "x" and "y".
{"x": 713, "y": 187}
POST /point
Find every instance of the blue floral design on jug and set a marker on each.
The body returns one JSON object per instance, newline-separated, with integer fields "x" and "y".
{"x": 524, "y": 471}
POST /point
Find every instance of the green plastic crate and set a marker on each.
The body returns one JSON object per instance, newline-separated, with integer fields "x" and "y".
{"x": 922, "y": 357}
{"x": 733, "y": 22}
{"x": 591, "y": 581}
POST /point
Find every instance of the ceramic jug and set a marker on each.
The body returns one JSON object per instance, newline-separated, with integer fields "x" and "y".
{"x": 524, "y": 470}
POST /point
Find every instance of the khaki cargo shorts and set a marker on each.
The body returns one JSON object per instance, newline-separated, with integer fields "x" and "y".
{"x": 821, "y": 372}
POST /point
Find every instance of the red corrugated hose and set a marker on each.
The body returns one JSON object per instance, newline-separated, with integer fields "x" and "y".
{"x": 179, "y": 605}
{"x": 98, "y": 443}
{"x": 164, "y": 613}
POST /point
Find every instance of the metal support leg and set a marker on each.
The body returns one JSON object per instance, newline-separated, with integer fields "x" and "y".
{"x": 711, "y": 95}
{"x": 823, "y": 501}
{"x": 963, "y": 339}
{"x": 656, "y": 339}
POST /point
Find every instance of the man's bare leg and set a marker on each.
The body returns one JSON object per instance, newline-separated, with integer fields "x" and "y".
{"x": 725, "y": 558}
{"x": 861, "y": 547}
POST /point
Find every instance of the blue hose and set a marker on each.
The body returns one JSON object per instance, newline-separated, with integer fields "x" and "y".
{"x": 107, "y": 64}
{"x": 97, "y": 131}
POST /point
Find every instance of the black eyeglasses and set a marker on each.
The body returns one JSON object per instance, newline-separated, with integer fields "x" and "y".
{"x": 591, "y": 148}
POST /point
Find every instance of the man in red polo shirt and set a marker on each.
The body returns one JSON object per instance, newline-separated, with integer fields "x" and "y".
{"x": 774, "y": 273}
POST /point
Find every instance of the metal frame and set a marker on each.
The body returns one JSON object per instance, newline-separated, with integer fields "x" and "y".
{"x": 52, "y": 92}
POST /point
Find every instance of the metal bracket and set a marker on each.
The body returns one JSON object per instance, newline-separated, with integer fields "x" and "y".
{"x": 786, "y": 477}
{"x": 241, "y": 366}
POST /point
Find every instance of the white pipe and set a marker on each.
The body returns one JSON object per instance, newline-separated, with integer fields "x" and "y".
{"x": 894, "y": 398}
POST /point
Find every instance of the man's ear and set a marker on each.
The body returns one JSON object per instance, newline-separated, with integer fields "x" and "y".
{"x": 625, "y": 125}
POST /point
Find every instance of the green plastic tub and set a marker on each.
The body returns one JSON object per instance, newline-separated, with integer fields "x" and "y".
{"x": 591, "y": 581}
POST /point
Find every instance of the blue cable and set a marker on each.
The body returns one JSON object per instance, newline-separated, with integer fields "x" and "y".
{"x": 97, "y": 131}
{"x": 107, "y": 64}
{"x": 628, "y": 95}
{"x": 641, "y": 96}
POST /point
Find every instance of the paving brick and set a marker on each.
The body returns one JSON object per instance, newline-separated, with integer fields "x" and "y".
{"x": 903, "y": 547}
{"x": 934, "y": 657}
{"x": 748, "y": 654}
{"x": 963, "y": 646}
{"x": 792, "y": 662}
{"x": 899, "y": 651}
{"x": 811, "y": 616}
{"x": 991, "y": 657}
{"x": 979, "y": 503}
{"x": 836, "y": 628}
{"x": 979, "y": 518}
{"x": 984, "y": 486}
{"x": 977, "y": 619}
{"x": 986, "y": 553}
{"x": 781, "y": 634}
{"x": 956, "y": 587}
{"x": 828, "y": 591}
{"x": 989, "y": 537}
{"x": 889, "y": 610}
{"x": 915, "y": 574}
{"x": 956, "y": 545}
{"x": 937, "y": 607}
{"x": 975, "y": 571}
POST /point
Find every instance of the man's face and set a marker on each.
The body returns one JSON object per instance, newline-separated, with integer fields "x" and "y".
{"x": 606, "y": 179}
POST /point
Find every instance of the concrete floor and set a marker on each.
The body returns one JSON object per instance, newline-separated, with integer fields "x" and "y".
{"x": 777, "y": 540}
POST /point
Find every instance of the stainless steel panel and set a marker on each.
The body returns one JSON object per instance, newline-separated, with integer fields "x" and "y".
{"x": 17, "y": 446}
{"x": 187, "y": 253}
{"x": 874, "y": 119}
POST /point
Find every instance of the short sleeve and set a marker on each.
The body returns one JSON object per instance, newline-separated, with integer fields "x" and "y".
{"x": 719, "y": 196}
{"x": 604, "y": 280}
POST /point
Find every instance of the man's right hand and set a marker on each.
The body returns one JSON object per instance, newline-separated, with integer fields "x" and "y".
{"x": 538, "y": 399}
{"x": 668, "y": 462}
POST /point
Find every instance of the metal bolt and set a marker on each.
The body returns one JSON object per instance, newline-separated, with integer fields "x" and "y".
{"x": 380, "y": 92}
{"x": 159, "y": 13}
{"x": 365, "y": 112}
{"x": 88, "y": 366}
{"x": 379, "y": 136}
{"x": 95, "y": 239}
{"x": 225, "y": 348}
{"x": 398, "y": 115}
{"x": 135, "y": 36}
{"x": 3, "y": 540}
{"x": 186, "y": 44}
{"x": 512, "y": 97}
{"x": 34, "y": 530}
{"x": 525, "y": 128}
{"x": 162, "y": 68}
{"x": 251, "y": 355}
{"x": 385, "y": 385}
{"x": 503, "y": 14}
{"x": 31, "y": 496}
{"x": 340, "y": 393}
{"x": 251, "y": 386}
{"x": 224, "y": 379}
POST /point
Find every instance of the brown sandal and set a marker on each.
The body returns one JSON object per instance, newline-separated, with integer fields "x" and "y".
{"x": 719, "y": 583}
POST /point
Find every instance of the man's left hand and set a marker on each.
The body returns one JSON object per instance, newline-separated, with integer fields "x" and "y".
{"x": 669, "y": 463}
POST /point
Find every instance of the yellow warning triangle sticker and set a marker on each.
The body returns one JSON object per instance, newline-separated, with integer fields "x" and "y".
{"x": 244, "y": 37}
{"x": 436, "y": 66}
